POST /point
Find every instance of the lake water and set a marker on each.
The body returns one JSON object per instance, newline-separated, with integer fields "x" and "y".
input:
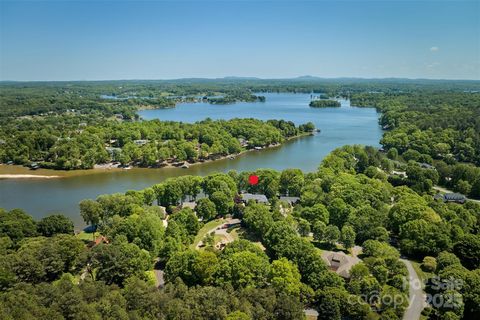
{"x": 339, "y": 126}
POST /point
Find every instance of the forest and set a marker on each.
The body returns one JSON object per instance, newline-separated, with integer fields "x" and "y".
{"x": 273, "y": 269}
{"x": 152, "y": 254}
{"x": 324, "y": 104}
{"x": 440, "y": 129}
{"x": 72, "y": 142}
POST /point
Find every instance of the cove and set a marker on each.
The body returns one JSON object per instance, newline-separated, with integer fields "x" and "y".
{"x": 339, "y": 126}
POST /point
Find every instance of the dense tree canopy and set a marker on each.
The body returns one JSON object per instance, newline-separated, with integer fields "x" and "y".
{"x": 381, "y": 200}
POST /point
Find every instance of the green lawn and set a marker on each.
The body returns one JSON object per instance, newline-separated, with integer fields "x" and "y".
{"x": 204, "y": 230}
{"x": 86, "y": 236}
{"x": 241, "y": 233}
{"x": 234, "y": 232}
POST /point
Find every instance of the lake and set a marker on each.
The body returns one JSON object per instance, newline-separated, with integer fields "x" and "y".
{"x": 339, "y": 126}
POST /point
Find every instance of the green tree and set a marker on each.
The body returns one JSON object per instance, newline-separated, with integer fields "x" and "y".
{"x": 116, "y": 262}
{"x": 223, "y": 203}
{"x": 182, "y": 265}
{"x": 304, "y": 227}
{"x": 91, "y": 212}
{"x": 55, "y": 224}
{"x": 332, "y": 235}
{"x": 243, "y": 270}
{"x": 206, "y": 209}
{"x": 429, "y": 264}
{"x": 291, "y": 182}
{"x": 318, "y": 229}
{"x": 348, "y": 236}
{"x": 16, "y": 224}
{"x": 468, "y": 250}
{"x": 317, "y": 212}
{"x": 285, "y": 277}
{"x": 238, "y": 315}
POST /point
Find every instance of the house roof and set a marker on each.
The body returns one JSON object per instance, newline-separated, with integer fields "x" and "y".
{"x": 426, "y": 165}
{"x": 454, "y": 196}
{"x": 450, "y": 197}
{"x": 256, "y": 197}
{"x": 290, "y": 199}
{"x": 190, "y": 205}
{"x": 340, "y": 262}
{"x": 438, "y": 196}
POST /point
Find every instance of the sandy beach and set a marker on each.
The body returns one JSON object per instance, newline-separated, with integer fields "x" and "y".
{"x": 26, "y": 176}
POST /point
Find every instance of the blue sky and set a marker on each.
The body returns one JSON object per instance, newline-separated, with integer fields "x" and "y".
{"x": 95, "y": 40}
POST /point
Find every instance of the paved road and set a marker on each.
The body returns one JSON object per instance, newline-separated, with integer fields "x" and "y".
{"x": 416, "y": 295}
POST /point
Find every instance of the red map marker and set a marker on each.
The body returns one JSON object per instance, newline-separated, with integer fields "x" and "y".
{"x": 253, "y": 180}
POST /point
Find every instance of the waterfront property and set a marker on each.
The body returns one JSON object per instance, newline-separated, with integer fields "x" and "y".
{"x": 259, "y": 198}
{"x": 340, "y": 126}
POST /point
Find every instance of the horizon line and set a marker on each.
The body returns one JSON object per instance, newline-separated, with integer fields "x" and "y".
{"x": 303, "y": 77}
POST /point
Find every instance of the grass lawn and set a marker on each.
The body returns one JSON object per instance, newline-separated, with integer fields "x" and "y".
{"x": 235, "y": 233}
{"x": 86, "y": 236}
{"x": 204, "y": 230}
{"x": 240, "y": 233}
{"x": 218, "y": 238}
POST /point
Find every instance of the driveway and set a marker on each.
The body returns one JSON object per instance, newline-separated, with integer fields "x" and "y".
{"x": 160, "y": 281}
{"x": 416, "y": 296}
{"x": 218, "y": 230}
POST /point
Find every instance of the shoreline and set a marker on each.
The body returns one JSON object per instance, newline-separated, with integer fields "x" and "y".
{"x": 26, "y": 176}
{"x": 9, "y": 172}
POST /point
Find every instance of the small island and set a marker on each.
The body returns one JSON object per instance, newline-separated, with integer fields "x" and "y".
{"x": 234, "y": 98}
{"x": 324, "y": 104}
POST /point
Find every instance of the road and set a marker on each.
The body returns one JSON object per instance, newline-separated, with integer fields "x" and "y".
{"x": 416, "y": 296}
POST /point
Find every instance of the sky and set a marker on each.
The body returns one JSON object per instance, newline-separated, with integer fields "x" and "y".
{"x": 102, "y": 40}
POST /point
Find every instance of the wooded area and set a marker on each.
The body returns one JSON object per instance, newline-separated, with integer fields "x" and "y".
{"x": 370, "y": 204}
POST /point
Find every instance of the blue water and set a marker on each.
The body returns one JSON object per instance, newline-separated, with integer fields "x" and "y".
{"x": 339, "y": 126}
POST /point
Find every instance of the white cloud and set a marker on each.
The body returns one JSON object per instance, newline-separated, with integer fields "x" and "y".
{"x": 434, "y": 49}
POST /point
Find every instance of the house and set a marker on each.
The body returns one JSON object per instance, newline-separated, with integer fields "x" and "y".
{"x": 111, "y": 150}
{"x": 140, "y": 142}
{"x": 427, "y": 166}
{"x": 402, "y": 174}
{"x": 259, "y": 198}
{"x": 97, "y": 241}
{"x": 451, "y": 197}
{"x": 243, "y": 142}
{"x": 190, "y": 205}
{"x": 290, "y": 200}
{"x": 339, "y": 262}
